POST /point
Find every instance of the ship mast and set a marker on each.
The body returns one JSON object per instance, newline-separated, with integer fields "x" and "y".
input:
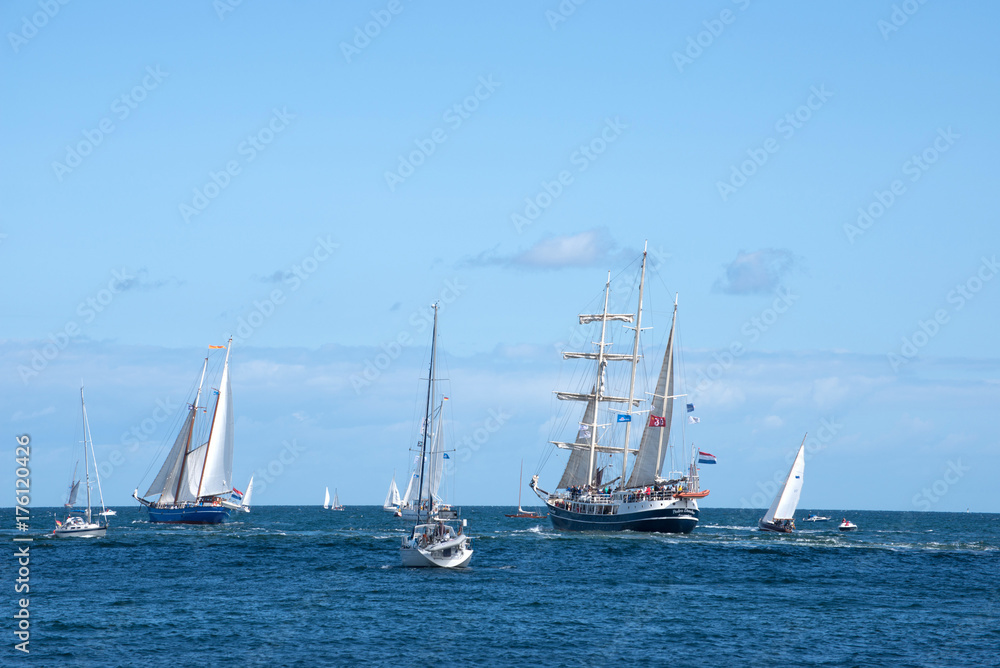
{"x": 215, "y": 413}
{"x": 635, "y": 363}
{"x": 427, "y": 417}
{"x": 187, "y": 446}
{"x": 86, "y": 461}
{"x": 600, "y": 386}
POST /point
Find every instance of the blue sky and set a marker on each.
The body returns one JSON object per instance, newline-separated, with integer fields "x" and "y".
{"x": 243, "y": 178}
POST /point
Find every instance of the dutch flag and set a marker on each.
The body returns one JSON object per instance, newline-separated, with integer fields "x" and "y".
{"x": 705, "y": 458}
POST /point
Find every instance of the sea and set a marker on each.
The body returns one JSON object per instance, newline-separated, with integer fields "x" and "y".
{"x": 303, "y": 586}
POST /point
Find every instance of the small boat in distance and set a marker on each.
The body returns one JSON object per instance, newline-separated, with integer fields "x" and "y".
{"x": 76, "y": 526}
{"x": 392, "y": 499}
{"x": 813, "y": 517}
{"x": 780, "y": 517}
{"x": 521, "y": 512}
{"x": 336, "y": 499}
{"x": 109, "y": 513}
{"x": 326, "y": 499}
{"x": 847, "y": 525}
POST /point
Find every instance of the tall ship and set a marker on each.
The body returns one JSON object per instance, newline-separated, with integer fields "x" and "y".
{"x": 639, "y": 498}
{"x": 195, "y": 482}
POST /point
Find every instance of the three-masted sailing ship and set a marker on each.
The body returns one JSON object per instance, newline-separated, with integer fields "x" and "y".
{"x": 434, "y": 541}
{"x": 194, "y": 485}
{"x": 639, "y": 499}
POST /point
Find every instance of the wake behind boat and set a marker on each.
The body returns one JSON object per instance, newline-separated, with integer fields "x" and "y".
{"x": 433, "y": 542}
{"x": 780, "y": 517}
{"x": 641, "y": 500}
{"x": 77, "y": 525}
{"x": 194, "y": 484}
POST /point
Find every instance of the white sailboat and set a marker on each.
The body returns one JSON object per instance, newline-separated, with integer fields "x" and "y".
{"x": 433, "y": 542}
{"x": 392, "y": 498}
{"x": 780, "y": 517}
{"x": 75, "y": 525}
{"x": 194, "y": 484}
{"x": 326, "y": 499}
{"x": 336, "y": 500}
{"x": 640, "y": 499}
{"x": 521, "y": 512}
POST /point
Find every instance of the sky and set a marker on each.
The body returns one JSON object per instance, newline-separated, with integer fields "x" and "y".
{"x": 812, "y": 181}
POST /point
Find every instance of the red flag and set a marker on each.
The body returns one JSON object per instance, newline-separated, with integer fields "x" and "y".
{"x": 657, "y": 421}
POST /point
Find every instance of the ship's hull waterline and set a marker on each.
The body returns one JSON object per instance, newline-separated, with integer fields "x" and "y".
{"x": 656, "y": 517}
{"x": 189, "y": 515}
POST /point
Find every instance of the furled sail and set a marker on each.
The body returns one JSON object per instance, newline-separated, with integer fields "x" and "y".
{"x": 578, "y": 466}
{"x": 787, "y": 499}
{"x": 653, "y": 446}
{"x": 435, "y": 465}
{"x": 165, "y": 482}
{"x": 218, "y": 463}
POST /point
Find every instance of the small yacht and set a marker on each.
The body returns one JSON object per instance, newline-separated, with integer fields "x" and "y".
{"x": 813, "y": 517}
{"x": 847, "y": 525}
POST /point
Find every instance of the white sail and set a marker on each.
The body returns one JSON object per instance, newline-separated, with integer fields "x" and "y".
{"x": 653, "y": 446}
{"x": 326, "y": 499}
{"x": 579, "y": 459}
{"x": 787, "y": 498}
{"x": 165, "y": 483}
{"x": 72, "y": 493}
{"x": 246, "y": 497}
{"x": 435, "y": 459}
{"x": 392, "y": 497}
{"x": 336, "y": 499}
{"x": 194, "y": 464}
{"x": 218, "y": 463}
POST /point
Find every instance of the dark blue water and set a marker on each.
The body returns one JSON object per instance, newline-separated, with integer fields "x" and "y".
{"x": 296, "y": 586}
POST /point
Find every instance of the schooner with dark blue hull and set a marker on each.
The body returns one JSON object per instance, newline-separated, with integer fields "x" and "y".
{"x": 194, "y": 485}
{"x": 640, "y": 498}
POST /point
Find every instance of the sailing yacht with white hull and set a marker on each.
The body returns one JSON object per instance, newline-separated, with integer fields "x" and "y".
{"x": 433, "y": 542}
{"x": 642, "y": 499}
{"x": 195, "y": 483}
{"x": 77, "y": 526}
{"x": 780, "y": 517}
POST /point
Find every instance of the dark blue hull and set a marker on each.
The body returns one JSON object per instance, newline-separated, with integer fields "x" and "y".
{"x": 660, "y": 520}
{"x": 189, "y": 515}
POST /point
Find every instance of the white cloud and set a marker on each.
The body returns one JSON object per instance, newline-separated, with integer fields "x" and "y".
{"x": 757, "y": 272}
{"x": 587, "y": 249}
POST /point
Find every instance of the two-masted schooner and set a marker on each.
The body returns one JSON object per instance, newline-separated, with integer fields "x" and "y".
{"x": 639, "y": 499}
{"x": 195, "y": 483}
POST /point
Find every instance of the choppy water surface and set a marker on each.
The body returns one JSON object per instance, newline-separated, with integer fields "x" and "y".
{"x": 300, "y": 586}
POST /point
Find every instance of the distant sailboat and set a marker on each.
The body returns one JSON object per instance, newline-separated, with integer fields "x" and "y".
{"x": 74, "y": 488}
{"x": 76, "y": 526}
{"x": 433, "y": 541}
{"x": 336, "y": 500}
{"x": 521, "y": 512}
{"x": 392, "y": 499}
{"x": 194, "y": 484}
{"x": 780, "y": 516}
{"x": 326, "y": 499}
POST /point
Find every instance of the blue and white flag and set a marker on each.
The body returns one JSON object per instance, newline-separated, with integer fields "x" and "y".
{"x": 705, "y": 458}
{"x": 693, "y": 420}
{"x": 624, "y": 417}
{"x": 690, "y": 408}
{"x": 445, "y": 456}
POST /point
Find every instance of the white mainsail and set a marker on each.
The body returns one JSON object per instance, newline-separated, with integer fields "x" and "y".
{"x": 653, "y": 446}
{"x": 246, "y": 497}
{"x": 326, "y": 499}
{"x": 217, "y": 475}
{"x": 787, "y": 498}
{"x": 392, "y": 497}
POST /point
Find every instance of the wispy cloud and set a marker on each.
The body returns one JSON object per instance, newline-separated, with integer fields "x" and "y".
{"x": 140, "y": 281}
{"x": 279, "y": 276}
{"x": 757, "y": 272}
{"x": 22, "y": 416}
{"x": 586, "y": 249}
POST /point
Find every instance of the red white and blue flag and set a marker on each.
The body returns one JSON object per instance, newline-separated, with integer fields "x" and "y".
{"x": 705, "y": 458}
{"x": 237, "y": 495}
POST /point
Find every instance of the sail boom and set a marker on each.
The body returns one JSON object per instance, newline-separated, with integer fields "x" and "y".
{"x": 586, "y": 447}
{"x": 598, "y": 317}
{"x": 578, "y": 396}
{"x": 612, "y": 357}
